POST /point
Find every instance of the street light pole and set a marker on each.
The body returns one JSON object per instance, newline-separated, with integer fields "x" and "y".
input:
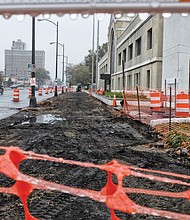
{"x": 56, "y": 53}
{"x": 63, "y": 46}
{"x": 33, "y": 98}
{"x": 93, "y": 30}
{"x": 97, "y": 55}
{"x": 56, "y": 63}
{"x": 63, "y": 69}
{"x": 65, "y": 77}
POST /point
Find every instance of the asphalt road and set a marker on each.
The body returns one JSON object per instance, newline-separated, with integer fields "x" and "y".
{"x": 8, "y": 107}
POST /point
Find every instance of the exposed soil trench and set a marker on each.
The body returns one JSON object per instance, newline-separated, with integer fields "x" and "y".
{"x": 76, "y": 126}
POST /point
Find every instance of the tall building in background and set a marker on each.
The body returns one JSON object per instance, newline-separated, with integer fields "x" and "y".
{"x": 18, "y": 58}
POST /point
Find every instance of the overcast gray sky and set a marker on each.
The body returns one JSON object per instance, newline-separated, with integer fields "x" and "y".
{"x": 75, "y": 34}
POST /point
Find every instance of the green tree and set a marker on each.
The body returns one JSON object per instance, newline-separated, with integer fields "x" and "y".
{"x": 42, "y": 76}
{"x": 82, "y": 72}
{"x": 102, "y": 50}
{"x": 9, "y": 82}
{"x": 78, "y": 74}
{"x": 1, "y": 78}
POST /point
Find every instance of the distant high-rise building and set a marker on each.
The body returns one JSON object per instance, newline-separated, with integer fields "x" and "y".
{"x": 17, "y": 60}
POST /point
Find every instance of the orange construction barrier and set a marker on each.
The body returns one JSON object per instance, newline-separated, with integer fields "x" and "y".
{"x": 29, "y": 93}
{"x": 40, "y": 91}
{"x": 155, "y": 101}
{"x": 163, "y": 99}
{"x": 50, "y": 90}
{"x": 46, "y": 92}
{"x": 101, "y": 92}
{"x": 114, "y": 101}
{"x": 16, "y": 95}
{"x": 59, "y": 89}
{"x": 182, "y": 105}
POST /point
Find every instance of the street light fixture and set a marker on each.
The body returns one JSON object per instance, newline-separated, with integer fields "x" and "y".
{"x": 56, "y": 55}
{"x": 63, "y": 46}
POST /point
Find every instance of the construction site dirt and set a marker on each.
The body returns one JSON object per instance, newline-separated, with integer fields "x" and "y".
{"x": 76, "y": 126}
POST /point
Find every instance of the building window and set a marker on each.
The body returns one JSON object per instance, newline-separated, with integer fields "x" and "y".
{"x": 119, "y": 59}
{"x": 149, "y": 39}
{"x": 130, "y": 52}
{"x": 148, "y": 79}
{"x": 118, "y": 83}
{"x": 138, "y": 46}
{"x": 124, "y": 55}
{"x": 137, "y": 79}
{"x": 112, "y": 84}
{"x": 129, "y": 82}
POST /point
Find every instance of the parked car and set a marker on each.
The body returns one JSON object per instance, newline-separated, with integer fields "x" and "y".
{"x": 1, "y": 89}
{"x": 14, "y": 86}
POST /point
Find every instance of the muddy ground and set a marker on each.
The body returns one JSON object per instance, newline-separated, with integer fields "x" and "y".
{"x": 84, "y": 130}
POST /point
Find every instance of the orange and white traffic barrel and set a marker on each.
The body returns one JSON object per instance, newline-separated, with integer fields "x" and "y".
{"x": 16, "y": 95}
{"x": 50, "y": 90}
{"x": 40, "y": 91}
{"x": 155, "y": 101}
{"x": 46, "y": 91}
{"x": 182, "y": 105}
{"x": 29, "y": 93}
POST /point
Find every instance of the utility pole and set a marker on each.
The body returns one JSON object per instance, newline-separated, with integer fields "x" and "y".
{"x": 63, "y": 71}
{"x": 56, "y": 55}
{"x": 33, "y": 79}
{"x": 56, "y": 60}
{"x": 97, "y": 55}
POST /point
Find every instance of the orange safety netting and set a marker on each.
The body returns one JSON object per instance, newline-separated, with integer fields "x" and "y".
{"x": 114, "y": 196}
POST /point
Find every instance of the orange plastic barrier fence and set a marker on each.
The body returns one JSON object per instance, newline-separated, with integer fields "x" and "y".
{"x": 155, "y": 101}
{"x": 182, "y": 105}
{"x": 162, "y": 99}
{"x": 69, "y": 89}
{"x": 114, "y": 196}
{"x": 16, "y": 95}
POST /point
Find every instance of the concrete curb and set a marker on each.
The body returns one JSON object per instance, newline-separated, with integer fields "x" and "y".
{"x": 166, "y": 120}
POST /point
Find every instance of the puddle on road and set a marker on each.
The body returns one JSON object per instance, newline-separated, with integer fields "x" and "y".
{"x": 15, "y": 109}
{"x": 45, "y": 119}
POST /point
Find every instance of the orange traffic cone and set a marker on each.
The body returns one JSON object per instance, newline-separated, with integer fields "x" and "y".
{"x": 114, "y": 101}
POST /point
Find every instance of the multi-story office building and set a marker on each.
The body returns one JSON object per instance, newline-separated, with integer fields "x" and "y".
{"x": 134, "y": 46}
{"x": 18, "y": 58}
{"x": 148, "y": 53}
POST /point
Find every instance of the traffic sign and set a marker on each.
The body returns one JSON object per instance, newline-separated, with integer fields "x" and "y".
{"x": 33, "y": 81}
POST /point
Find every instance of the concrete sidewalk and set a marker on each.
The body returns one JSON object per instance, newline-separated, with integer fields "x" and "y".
{"x": 146, "y": 116}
